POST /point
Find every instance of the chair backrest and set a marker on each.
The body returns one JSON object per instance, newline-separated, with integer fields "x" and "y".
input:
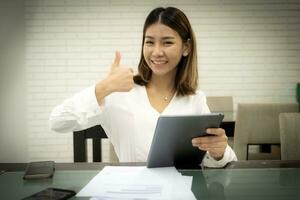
{"x": 258, "y": 124}
{"x": 95, "y": 133}
{"x": 220, "y": 103}
{"x": 289, "y": 124}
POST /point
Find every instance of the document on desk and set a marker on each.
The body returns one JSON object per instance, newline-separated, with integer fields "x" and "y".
{"x": 119, "y": 182}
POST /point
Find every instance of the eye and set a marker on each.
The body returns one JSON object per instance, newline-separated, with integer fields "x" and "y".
{"x": 168, "y": 43}
{"x": 149, "y": 42}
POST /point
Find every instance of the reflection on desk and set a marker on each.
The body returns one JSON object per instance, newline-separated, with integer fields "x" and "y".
{"x": 246, "y": 184}
{"x": 234, "y": 182}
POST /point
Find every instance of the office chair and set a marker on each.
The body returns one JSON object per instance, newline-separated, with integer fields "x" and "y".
{"x": 258, "y": 124}
{"x": 289, "y": 124}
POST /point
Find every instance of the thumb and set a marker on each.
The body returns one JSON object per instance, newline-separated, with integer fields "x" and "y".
{"x": 117, "y": 60}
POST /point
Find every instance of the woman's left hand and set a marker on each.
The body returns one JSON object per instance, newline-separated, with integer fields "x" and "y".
{"x": 214, "y": 144}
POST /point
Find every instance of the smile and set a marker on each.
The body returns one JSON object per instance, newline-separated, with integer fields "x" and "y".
{"x": 159, "y": 62}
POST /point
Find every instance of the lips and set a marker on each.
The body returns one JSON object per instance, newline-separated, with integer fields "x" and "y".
{"x": 159, "y": 62}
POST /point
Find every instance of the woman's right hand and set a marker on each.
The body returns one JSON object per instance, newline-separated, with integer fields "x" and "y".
{"x": 119, "y": 79}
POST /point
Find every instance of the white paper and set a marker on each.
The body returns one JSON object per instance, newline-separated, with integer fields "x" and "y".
{"x": 118, "y": 182}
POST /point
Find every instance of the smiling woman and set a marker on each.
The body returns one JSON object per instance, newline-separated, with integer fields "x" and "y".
{"x": 128, "y": 106}
{"x": 168, "y": 40}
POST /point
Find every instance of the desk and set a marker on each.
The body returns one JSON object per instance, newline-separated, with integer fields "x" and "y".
{"x": 239, "y": 180}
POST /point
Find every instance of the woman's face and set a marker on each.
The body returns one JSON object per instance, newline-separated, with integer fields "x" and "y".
{"x": 163, "y": 49}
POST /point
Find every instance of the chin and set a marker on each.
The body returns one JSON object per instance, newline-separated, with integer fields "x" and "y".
{"x": 160, "y": 73}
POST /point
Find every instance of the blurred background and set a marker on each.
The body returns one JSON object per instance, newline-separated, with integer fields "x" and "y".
{"x": 51, "y": 49}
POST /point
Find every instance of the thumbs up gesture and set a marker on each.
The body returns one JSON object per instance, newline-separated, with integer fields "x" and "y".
{"x": 120, "y": 77}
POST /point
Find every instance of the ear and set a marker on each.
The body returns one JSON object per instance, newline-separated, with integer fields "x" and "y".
{"x": 186, "y": 48}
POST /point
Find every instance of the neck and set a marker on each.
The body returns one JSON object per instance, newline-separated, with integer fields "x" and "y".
{"x": 161, "y": 87}
{"x": 162, "y": 83}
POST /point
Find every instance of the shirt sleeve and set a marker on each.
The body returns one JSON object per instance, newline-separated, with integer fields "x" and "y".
{"x": 229, "y": 155}
{"x": 79, "y": 112}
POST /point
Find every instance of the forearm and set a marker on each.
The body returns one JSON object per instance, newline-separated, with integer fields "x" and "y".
{"x": 102, "y": 89}
{"x": 76, "y": 113}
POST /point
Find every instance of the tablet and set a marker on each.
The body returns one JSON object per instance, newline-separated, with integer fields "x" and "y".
{"x": 172, "y": 140}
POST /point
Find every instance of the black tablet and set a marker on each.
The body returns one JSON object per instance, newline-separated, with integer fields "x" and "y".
{"x": 172, "y": 140}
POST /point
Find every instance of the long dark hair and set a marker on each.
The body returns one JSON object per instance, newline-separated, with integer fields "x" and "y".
{"x": 186, "y": 80}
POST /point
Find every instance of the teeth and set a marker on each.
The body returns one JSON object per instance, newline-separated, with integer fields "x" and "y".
{"x": 159, "y": 62}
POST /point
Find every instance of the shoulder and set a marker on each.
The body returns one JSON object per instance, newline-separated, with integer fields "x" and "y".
{"x": 138, "y": 88}
{"x": 201, "y": 102}
{"x": 198, "y": 100}
{"x": 200, "y": 94}
{"x": 199, "y": 97}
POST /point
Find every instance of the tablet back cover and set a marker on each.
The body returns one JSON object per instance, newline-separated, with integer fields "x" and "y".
{"x": 172, "y": 141}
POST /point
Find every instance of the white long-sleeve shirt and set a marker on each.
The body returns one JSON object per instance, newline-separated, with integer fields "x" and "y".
{"x": 128, "y": 119}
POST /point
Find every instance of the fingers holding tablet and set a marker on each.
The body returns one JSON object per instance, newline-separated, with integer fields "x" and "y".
{"x": 215, "y": 143}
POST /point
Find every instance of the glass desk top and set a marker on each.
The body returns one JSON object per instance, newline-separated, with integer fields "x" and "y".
{"x": 217, "y": 184}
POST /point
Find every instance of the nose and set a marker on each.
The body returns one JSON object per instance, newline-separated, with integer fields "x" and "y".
{"x": 158, "y": 50}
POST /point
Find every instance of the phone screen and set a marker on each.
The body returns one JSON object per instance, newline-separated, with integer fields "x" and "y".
{"x": 52, "y": 193}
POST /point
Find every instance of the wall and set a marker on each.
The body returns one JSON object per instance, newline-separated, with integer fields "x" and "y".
{"x": 248, "y": 49}
{"x": 13, "y": 130}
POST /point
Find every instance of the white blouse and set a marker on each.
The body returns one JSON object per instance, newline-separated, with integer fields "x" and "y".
{"x": 128, "y": 119}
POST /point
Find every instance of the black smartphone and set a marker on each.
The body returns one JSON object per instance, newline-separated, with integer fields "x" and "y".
{"x": 39, "y": 170}
{"x": 52, "y": 194}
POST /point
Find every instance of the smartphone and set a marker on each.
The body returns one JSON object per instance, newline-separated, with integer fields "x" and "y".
{"x": 52, "y": 194}
{"x": 39, "y": 170}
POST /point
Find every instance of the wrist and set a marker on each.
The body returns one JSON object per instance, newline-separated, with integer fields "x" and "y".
{"x": 107, "y": 86}
{"x": 217, "y": 158}
{"x": 102, "y": 89}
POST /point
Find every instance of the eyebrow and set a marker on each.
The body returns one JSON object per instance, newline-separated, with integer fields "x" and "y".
{"x": 163, "y": 38}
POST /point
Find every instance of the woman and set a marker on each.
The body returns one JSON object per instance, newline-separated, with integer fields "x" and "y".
{"x": 128, "y": 106}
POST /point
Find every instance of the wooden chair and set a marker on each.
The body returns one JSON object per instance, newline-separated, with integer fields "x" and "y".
{"x": 258, "y": 124}
{"x": 289, "y": 124}
{"x": 220, "y": 103}
{"x": 95, "y": 133}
